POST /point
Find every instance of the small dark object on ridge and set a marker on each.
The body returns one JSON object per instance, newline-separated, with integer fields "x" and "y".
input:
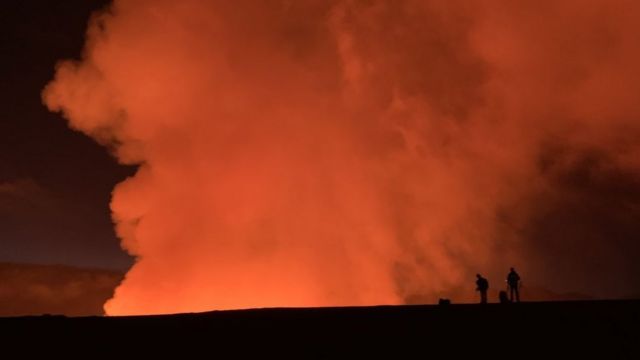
{"x": 444, "y": 302}
{"x": 49, "y": 315}
{"x": 504, "y": 299}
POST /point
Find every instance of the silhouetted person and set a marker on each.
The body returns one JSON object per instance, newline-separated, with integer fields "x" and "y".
{"x": 482, "y": 285}
{"x": 513, "y": 281}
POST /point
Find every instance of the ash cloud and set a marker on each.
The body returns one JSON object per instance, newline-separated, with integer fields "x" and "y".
{"x": 362, "y": 152}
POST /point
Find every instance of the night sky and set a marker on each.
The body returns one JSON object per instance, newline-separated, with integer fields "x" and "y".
{"x": 55, "y": 184}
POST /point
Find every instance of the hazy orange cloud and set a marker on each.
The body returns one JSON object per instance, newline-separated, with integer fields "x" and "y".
{"x": 310, "y": 153}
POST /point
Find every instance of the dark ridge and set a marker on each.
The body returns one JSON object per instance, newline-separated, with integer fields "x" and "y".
{"x": 607, "y": 329}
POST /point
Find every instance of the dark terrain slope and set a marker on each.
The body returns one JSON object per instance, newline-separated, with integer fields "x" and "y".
{"x": 565, "y": 330}
{"x": 27, "y": 289}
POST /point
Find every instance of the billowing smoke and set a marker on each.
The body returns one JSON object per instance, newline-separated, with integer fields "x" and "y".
{"x": 309, "y": 153}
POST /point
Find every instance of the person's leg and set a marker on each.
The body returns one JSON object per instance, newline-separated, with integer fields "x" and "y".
{"x": 511, "y": 293}
{"x": 483, "y": 297}
{"x": 517, "y": 294}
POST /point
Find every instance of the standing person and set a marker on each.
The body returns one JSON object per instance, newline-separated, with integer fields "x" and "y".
{"x": 513, "y": 281}
{"x": 482, "y": 285}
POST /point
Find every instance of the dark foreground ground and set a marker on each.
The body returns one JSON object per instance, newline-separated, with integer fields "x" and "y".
{"x": 549, "y": 330}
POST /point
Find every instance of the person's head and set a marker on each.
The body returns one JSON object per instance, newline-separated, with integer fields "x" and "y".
{"x": 478, "y": 276}
{"x": 513, "y": 270}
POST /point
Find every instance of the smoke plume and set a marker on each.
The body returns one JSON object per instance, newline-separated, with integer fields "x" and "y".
{"x": 346, "y": 152}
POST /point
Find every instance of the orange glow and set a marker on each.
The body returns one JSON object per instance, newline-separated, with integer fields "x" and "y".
{"x": 310, "y": 153}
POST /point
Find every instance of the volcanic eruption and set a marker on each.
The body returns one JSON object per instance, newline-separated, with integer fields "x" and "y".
{"x": 345, "y": 152}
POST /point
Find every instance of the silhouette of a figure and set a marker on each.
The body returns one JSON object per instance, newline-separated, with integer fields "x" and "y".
{"x": 513, "y": 281}
{"x": 482, "y": 285}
